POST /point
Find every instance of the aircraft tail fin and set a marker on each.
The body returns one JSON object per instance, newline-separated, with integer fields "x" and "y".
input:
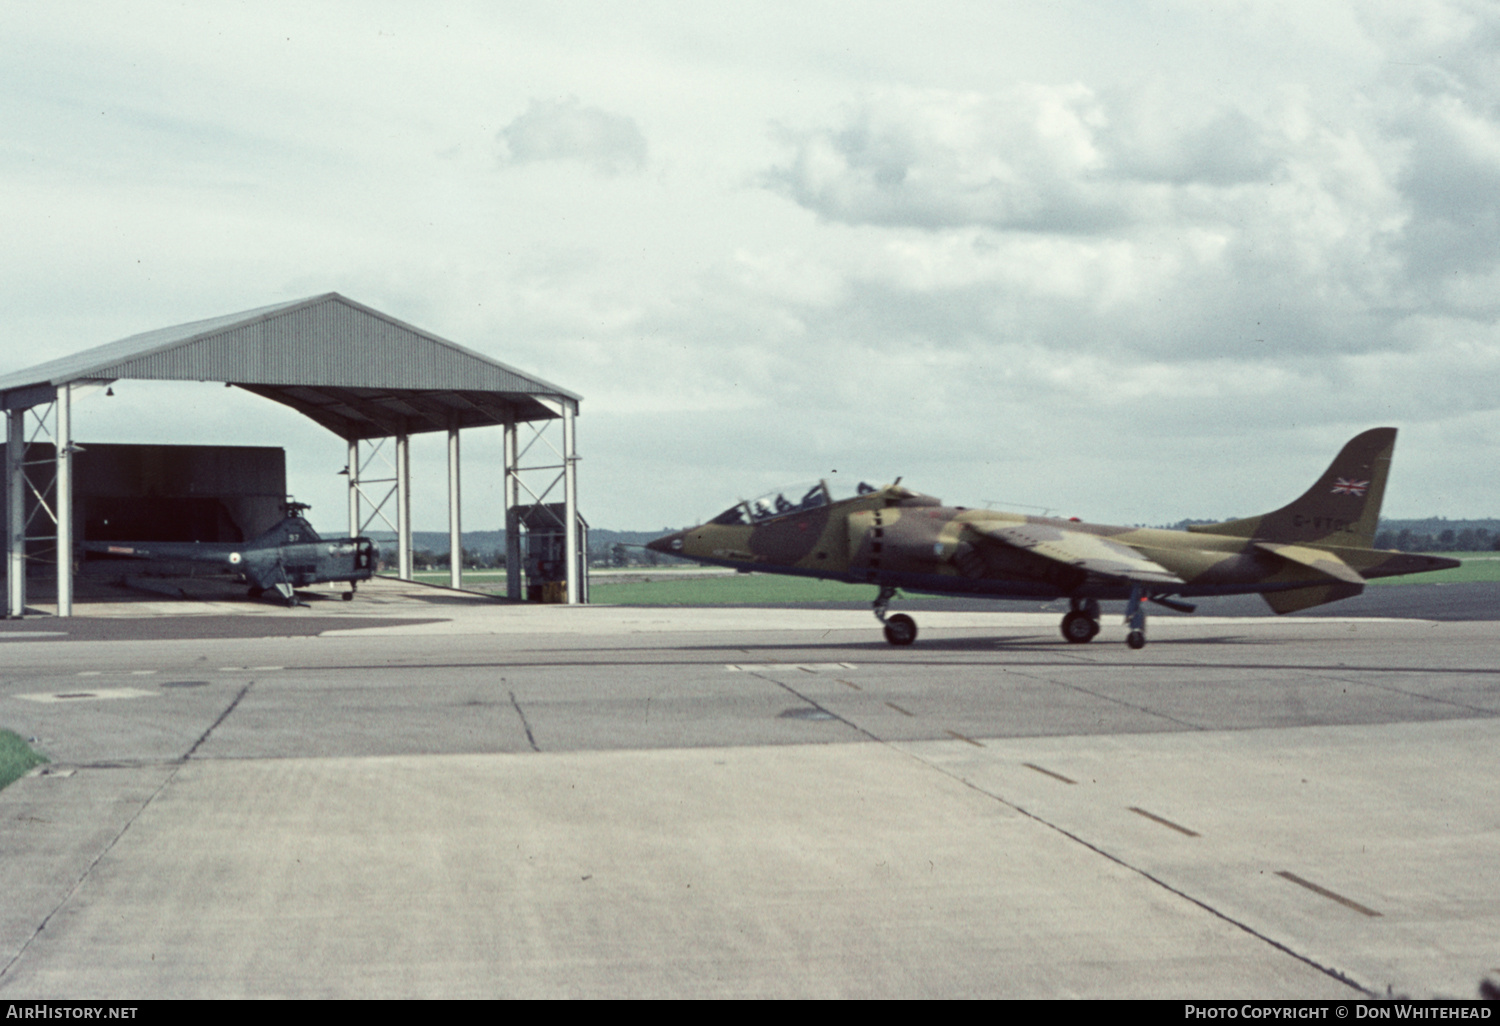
{"x": 1341, "y": 508}
{"x": 289, "y": 530}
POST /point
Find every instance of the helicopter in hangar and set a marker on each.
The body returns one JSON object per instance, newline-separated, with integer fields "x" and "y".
{"x": 289, "y": 555}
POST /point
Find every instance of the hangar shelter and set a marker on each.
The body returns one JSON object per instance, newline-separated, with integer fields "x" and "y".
{"x": 369, "y": 378}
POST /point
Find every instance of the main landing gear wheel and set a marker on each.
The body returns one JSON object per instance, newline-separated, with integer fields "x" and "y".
{"x": 900, "y": 629}
{"x": 1078, "y": 627}
{"x": 1136, "y": 639}
{"x": 1082, "y": 621}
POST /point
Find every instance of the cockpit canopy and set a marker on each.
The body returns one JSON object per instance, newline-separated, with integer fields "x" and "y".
{"x": 792, "y": 499}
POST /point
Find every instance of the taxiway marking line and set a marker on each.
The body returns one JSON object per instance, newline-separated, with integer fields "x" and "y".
{"x": 1047, "y": 772}
{"x": 773, "y": 667}
{"x": 1164, "y": 822}
{"x": 1331, "y": 895}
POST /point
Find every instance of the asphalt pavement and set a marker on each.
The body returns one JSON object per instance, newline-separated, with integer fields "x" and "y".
{"x": 421, "y": 794}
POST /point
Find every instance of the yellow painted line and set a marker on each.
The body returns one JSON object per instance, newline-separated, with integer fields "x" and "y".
{"x": 900, "y": 710}
{"x": 851, "y": 684}
{"x": 1058, "y": 776}
{"x": 1331, "y": 895}
{"x": 1164, "y": 822}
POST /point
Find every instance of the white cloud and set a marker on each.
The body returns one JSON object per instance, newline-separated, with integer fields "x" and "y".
{"x": 566, "y": 130}
{"x": 1046, "y": 242}
{"x": 935, "y": 159}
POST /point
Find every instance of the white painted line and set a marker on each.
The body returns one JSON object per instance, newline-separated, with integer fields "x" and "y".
{"x": 808, "y": 667}
{"x": 84, "y": 696}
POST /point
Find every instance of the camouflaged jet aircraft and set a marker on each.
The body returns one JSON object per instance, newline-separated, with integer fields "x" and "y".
{"x": 1315, "y": 550}
{"x": 290, "y": 555}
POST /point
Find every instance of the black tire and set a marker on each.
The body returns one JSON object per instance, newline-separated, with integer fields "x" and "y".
{"x": 1136, "y": 639}
{"x": 1078, "y": 627}
{"x": 900, "y": 629}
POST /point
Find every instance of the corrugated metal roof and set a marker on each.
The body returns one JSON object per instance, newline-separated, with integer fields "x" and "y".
{"x": 359, "y": 372}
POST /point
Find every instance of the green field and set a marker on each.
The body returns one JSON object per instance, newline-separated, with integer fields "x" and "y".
{"x": 16, "y": 757}
{"x": 772, "y": 589}
{"x": 729, "y": 590}
{"x": 474, "y": 580}
{"x": 1478, "y": 566}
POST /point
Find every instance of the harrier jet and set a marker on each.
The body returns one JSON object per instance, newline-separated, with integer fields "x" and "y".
{"x": 288, "y": 556}
{"x": 1314, "y": 550}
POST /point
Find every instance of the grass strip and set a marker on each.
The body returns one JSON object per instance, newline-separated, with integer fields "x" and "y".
{"x": 774, "y": 589}
{"x": 16, "y": 757}
{"x": 1478, "y": 566}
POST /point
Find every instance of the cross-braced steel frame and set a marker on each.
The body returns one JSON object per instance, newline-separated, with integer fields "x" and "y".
{"x": 39, "y": 492}
{"x": 379, "y": 480}
{"x": 557, "y": 464}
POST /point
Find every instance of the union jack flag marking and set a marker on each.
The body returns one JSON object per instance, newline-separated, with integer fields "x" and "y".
{"x": 1344, "y": 486}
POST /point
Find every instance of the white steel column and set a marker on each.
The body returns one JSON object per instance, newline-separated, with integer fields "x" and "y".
{"x": 15, "y": 491}
{"x": 570, "y": 506}
{"x": 512, "y": 521}
{"x": 455, "y": 532}
{"x": 403, "y": 507}
{"x": 353, "y": 471}
{"x": 64, "y": 492}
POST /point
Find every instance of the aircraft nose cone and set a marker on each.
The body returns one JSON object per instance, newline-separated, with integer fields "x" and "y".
{"x": 670, "y": 544}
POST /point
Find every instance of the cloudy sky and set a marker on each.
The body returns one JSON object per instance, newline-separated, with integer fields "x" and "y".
{"x": 1133, "y": 262}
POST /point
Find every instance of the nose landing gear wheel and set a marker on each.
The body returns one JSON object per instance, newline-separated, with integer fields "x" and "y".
{"x": 1136, "y": 639}
{"x": 900, "y": 629}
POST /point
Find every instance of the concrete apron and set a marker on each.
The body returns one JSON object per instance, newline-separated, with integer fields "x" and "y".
{"x": 927, "y": 869}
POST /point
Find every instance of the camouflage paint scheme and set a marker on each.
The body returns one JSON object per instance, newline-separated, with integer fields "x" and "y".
{"x": 288, "y": 556}
{"x": 1312, "y": 551}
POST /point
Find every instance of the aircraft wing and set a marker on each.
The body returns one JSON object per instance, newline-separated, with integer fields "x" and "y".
{"x": 1089, "y": 552}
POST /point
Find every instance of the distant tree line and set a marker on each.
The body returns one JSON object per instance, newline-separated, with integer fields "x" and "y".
{"x": 1468, "y": 539}
{"x": 426, "y": 559}
{"x": 1434, "y": 534}
{"x": 618, "y": 554}
{"x": 1438, "y": 534}
{"x": 624, "y": 554}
